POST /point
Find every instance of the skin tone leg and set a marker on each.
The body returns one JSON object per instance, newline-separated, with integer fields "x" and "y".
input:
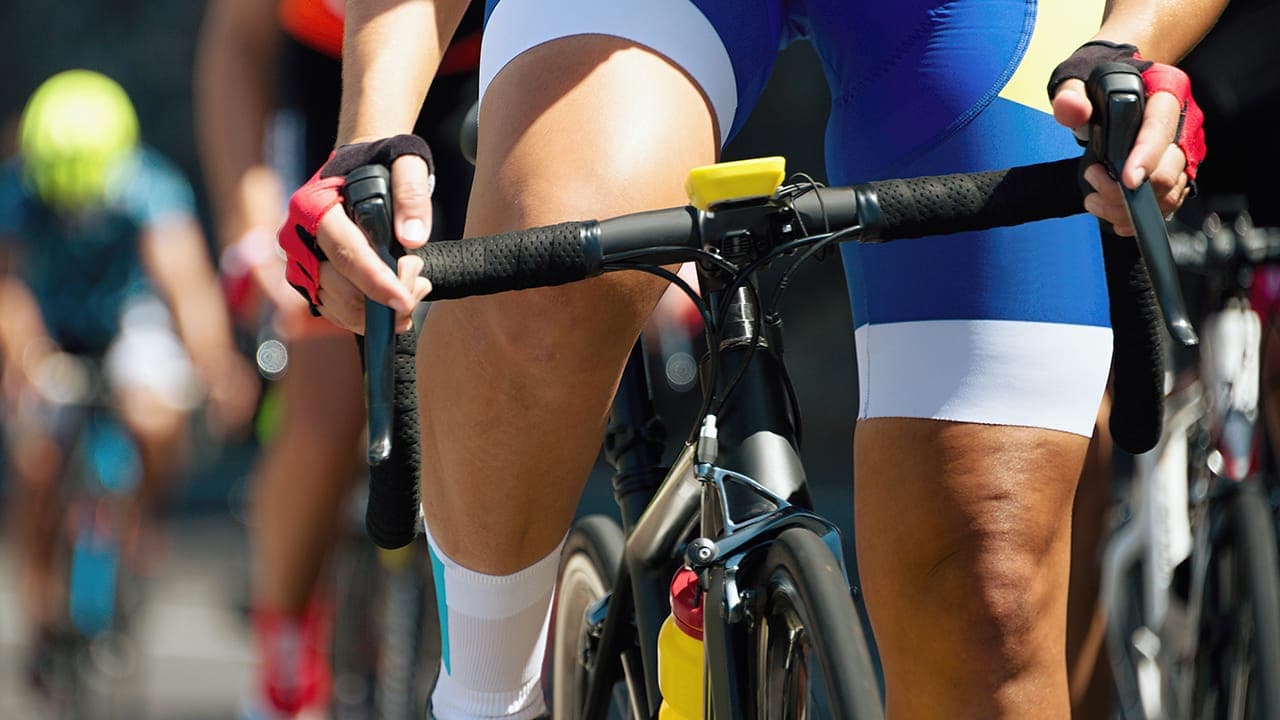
{"x": 515, "y": 388}
{"x": 36, "y": 465}
{"x": 307, "y": 472}
{"x": 967, "y": 591}
{"x": 1087, "y": 665}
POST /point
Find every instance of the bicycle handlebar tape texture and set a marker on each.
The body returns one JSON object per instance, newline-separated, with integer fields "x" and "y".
{"x": 1137, "y": 408}
{"x": 943, "y": 204}
{"x": 392, "y": 514}
{"x": 537, "y": 257}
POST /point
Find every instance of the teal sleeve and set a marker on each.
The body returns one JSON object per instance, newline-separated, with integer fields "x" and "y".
{"x": 13, "y": 199}
{"x": 156, "y": 190}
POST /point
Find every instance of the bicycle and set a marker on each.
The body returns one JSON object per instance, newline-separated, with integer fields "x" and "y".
{"x": 1205, "y": 641}
{"x": 386, "y": 639}
{"x": 82, "y": 666}
{"x": 781, "y": 633}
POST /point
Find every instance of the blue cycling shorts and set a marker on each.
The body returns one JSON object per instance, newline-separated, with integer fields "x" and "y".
{"x": 1006, "y": 326}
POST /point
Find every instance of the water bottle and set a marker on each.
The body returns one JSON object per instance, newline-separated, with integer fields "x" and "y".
{"x": 680, "y": 659}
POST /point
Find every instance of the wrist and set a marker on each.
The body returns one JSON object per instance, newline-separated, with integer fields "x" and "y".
{"x": 254, "y": 247}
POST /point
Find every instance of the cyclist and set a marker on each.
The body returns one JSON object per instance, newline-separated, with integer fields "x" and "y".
{"x": 102, "y": 258}
{"x": 977, "y": 398}
{"x": 272, "y": 70}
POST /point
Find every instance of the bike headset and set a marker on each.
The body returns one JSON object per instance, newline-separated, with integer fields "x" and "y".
{"x": 75, "y": 130}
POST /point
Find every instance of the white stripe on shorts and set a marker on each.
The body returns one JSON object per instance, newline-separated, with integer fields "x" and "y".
{"x": 673, "y": 28}
{"x": 996, "y": 372}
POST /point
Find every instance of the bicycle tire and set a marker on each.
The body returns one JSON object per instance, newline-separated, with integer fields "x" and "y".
{"x": 588, "y": 570}
{"x": 799, "y": 586}
{"x": 1237, "y": 662}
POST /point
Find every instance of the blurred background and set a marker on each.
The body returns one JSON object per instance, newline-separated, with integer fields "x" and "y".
{"x": 191, "y": 650}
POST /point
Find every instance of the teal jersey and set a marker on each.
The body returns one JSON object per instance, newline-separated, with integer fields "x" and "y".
{"x": 83, "y": 267}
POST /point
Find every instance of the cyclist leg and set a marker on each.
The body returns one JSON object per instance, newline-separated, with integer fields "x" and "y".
{"x": 982, "y": 359}
{"x": 153, "y": 391}
{"x": 305, "y": 472}
{"x": 36, "y": 459}
{"x": 1088, "y": 667}
{"x": 516, "y": 387}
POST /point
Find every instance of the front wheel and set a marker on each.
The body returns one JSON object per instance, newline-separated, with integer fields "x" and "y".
{"x": 588, "y": 569}
{"x": 1237, "y": 662}
{"x": 807, "y": 656}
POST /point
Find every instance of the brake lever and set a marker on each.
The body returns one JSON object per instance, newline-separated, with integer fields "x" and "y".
{"x": 367, "y": 199}
{"x": 1118, "y": 96}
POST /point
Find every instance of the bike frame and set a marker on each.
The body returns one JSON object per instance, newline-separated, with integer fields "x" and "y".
{"x": 737, "y": 511}
{"x": 1212, "y": 443}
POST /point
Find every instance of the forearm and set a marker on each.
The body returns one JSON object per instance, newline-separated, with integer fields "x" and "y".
{"x": 1164, "y": 30}
{"x": 20, "y": 321}
{"x": 391, "y": 49}
{"x": 234, "y": 97}
{"x": 176, "y": 260}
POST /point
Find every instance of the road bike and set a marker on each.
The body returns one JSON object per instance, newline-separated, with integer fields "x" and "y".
{"x": 84, "y": 664}
{"x": 1191, "y": 578}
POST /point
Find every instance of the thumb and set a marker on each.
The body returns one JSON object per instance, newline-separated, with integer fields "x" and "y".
{"x": 1071, "y": 106}
{"x": 411, "y": 186}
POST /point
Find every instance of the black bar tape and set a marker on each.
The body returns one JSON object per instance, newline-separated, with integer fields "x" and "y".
{"x": 943, "y": 204}
{"x": 1137, "y": 364}
{"x": 391, "y": 516}
{"x": 537, "y": 257}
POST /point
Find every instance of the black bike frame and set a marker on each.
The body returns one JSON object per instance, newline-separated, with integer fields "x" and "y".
{"x": 739, "y": 510}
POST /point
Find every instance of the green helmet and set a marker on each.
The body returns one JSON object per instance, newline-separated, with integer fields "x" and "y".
{"x": 76, "y": 128}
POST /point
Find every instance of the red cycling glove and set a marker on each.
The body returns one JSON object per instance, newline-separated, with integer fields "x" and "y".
{"x": 324, "y": 190}
{"x": 1157, "y": 77}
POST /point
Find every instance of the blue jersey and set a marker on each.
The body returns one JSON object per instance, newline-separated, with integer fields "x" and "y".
{"x": 82, "y": 268}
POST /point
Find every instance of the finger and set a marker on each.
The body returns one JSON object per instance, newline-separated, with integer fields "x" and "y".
{"x": 411, "y": 197}
{"x": 1159, "y": 124}
{"x": 1096, "y": 175}
{"x": 1169, "y": 172}
{"x": 352, "y": 257}
{"x": 410, "y": 272}
{"x": 1113, "y": 212}
{"x": 1071, "y": 106}
{"x": 1173, "y": 199}
{"x": 341, "y": 303}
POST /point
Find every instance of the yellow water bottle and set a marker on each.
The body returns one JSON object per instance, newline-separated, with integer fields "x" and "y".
{"x": 680, "y": 671}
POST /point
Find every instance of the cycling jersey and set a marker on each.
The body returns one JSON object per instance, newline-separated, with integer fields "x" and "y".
{"x": 1008, "y": 326}
{"x": 84, "y": 269}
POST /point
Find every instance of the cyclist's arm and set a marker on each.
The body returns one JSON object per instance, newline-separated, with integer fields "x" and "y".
{"x": 234, "y": 96}
{"x": 1165, "y": 30}
{"x": 22, "y": 329}
{"x": 176, "y": 259}
{"x": 391, "y": 50}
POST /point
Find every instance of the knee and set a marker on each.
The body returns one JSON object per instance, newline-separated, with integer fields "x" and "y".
{"x": 1005, "y": 594}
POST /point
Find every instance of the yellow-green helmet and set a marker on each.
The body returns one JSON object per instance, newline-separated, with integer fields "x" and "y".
{"x": 76, "y": 127}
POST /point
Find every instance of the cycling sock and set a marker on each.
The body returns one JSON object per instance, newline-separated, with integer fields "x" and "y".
{"x": 493, "y": 632}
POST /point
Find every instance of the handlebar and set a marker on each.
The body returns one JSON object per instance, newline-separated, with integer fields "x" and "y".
{"x": 870, "y": 212}
{"x": 394, "y": 452}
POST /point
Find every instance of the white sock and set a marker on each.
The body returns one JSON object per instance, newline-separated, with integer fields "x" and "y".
{"x": 493, "y": 632}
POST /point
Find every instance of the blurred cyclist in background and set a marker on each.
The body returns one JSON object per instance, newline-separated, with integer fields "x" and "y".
{"x": 101, "y": 257}
{"x": 267, "y": 85}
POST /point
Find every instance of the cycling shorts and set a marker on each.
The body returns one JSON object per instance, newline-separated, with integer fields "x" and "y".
{"x": 1006, "y": 327}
